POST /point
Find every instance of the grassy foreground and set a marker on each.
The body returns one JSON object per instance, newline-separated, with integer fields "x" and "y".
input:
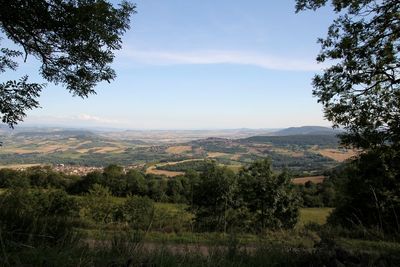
{"x": 113, "y": 245}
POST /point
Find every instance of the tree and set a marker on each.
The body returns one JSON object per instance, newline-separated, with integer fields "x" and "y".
{"x": 214, "y": 199}
{"x": 270, "y": 197}
{"x": 73, "y": 39}
{"x": 361, "y": 90}
{"x": 136, "y": 183}
{"x": 99, "y": 205}
{"x": 369, "y": 190}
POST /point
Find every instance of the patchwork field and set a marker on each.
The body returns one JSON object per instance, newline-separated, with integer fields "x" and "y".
{"x": 302, "y": 154}
{"x": 337, "y": 154}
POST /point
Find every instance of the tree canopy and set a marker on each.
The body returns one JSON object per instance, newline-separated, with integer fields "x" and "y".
{"x": 74, "y": 40}
{"x": 360, "y": 91}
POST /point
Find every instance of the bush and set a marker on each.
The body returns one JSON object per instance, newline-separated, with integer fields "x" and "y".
{"x": 99, "y": 205}
{"x": 138, "y": 212}
{"x": 35, "y": 217}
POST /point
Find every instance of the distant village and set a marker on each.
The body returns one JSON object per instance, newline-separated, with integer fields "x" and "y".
{"x": 83, "y": 170}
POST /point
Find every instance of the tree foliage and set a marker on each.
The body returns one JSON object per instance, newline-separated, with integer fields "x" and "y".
{"x": 214, "y": 198}
{"x": 361, "y": 89}
{"x": 369, "y": 190}
{"x": 73, "y": 39}
{"x": 269, "y": 196}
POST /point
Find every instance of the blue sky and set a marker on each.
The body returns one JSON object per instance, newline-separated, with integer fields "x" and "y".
{"x": 202, "y": 65}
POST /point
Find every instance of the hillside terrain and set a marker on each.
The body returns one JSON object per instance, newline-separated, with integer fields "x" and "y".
{"x": 173, "y": 152}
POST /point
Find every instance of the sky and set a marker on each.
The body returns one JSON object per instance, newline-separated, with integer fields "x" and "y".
{"x": 201, "y": 65}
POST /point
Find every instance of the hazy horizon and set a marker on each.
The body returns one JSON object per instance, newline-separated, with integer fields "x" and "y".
{"x": 23, "y": 126}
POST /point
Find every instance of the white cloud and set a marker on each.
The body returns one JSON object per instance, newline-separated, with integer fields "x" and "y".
{"x": 219, "y": 57}
{"x": 91, "y": 118}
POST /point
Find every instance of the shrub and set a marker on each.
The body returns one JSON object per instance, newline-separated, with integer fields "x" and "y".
{"x": 138, "y": 212}
{"x": 36, "y": 217}
{"x": 99, "y": 205}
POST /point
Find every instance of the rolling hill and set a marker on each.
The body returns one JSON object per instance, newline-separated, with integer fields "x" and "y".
{"x": 305, "y": 152}
{"x": 307, "y": 130}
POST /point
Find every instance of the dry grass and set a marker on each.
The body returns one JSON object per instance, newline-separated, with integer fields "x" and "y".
{"x": 108, "y": 149}
{"x": 178, "y": 149}
{"x": 153, "y": 170}
{"x": 235, "y": 168}
{"x": 18, "y": 166}
{"x": 216, "y": 154}
{"x": 236, "y": 157}
{"x": 314, "y": 179}
{"x": 42, "y": 149}
{"x": 83, "y": 150}
{"x": 336, "y": 154}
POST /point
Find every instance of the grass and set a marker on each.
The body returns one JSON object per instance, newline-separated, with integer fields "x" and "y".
{"x": 313, "y": 179}
{"x": 172, "y": 225}
{"x": 370, "y": 246}
{"x": 115, "y": 245}
{"x": 313, "y": 215}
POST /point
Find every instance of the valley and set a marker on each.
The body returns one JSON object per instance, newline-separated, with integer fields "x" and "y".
{"x": 303, "y": 150}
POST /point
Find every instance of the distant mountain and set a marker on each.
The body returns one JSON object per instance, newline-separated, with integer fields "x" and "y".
{"x": 306, "y": 130}
{"x": 55, "y": 134}
{"x": 321, "y": 140}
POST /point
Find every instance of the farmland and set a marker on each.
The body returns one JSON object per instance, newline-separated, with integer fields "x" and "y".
{"x": 302, "y": 154}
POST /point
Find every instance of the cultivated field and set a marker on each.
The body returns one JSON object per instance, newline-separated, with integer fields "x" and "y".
{"x": 313, "y": 179}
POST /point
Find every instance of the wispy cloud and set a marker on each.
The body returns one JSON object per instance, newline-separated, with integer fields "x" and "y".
{"x": 219, "y": 57}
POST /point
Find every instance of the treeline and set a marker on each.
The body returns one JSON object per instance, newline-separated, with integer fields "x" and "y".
{"x": 36, "y": 211}
{"x": 192, "y": 165}
{"x": 158, "y": 188}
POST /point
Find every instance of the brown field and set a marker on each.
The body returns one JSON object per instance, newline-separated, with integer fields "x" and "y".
{"x": 178, "y": 149}
{"x": 338, "y": 155}
{"x": 236, "y": 157}
{"x": 108, "y": 149}
{"x": 18, "y": 166}
{"x": 314, "y": 179}
{"x": 153, "y": 170}
{"x": 216, "y": 154}
{"x": 83, "y": 150}
{"x": 42, "y": 149}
